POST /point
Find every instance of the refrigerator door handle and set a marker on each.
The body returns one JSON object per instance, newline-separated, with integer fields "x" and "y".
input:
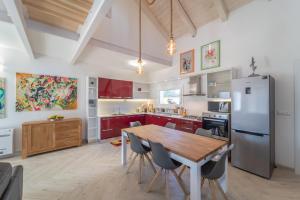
{"x": 249, "y": 133}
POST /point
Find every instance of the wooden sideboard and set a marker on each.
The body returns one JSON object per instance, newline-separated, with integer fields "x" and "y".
{"x": 44, "y": 136}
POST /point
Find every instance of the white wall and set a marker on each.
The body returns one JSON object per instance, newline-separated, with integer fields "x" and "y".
{"x": 128, "y": 106}
{"x": 17, "y": 61}
{"x": 297, "y": 116}
{"x": 194, "y": 105}
{"x": 269, "y": 31}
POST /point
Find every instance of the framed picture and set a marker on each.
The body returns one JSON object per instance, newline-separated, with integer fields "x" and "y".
{"x": 187, "y": 62}
{"x": 43, "y": 92}
{"x": 2, "y": 98}
{"x": 210, "y": 55}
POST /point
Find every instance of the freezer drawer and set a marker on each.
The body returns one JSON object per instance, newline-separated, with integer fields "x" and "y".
{"x": 251, "y": 153}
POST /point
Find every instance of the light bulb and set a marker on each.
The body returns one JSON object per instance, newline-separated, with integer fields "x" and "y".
{"x": 140, "y": 67}
{"x": 171, "y": 46}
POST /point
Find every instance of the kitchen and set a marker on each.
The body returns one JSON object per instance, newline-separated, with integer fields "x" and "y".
{"x": 96, "y": 96}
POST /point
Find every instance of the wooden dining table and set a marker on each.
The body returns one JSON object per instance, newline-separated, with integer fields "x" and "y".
{"x": 189, "y": 149}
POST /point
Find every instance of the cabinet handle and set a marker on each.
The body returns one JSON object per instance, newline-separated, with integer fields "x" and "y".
{"x": 187, "y": 128}
{"x": 106, "y": 130}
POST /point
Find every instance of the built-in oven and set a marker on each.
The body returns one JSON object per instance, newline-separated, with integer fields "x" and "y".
{"x": 217, "y": 123}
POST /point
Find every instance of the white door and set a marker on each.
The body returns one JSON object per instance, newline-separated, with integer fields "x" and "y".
{"x": 297, "y": 116}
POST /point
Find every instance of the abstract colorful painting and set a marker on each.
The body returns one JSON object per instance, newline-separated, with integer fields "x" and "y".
{"x": 210, "y": 55}
{"x": 43, "y": 92}
{"x": 2, "y": 98}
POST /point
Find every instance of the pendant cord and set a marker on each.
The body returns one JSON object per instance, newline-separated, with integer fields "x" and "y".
{"x": 140, "y": 31}
{"x": 171, "y": 34}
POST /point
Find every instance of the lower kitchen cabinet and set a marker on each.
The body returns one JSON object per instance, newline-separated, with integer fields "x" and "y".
{"x": 112, "y": 126}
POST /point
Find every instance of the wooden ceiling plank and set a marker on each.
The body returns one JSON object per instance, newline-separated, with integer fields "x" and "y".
{"x": 52, "y": 19}
{"x": 78, "y": 12}
{"x": 79, "y": 5}
{"x": 15, "y": 11}
{"x": 46, "y": 7}
{"x": 146, "y": 10}
{"x": 186, "y": 18}
{"x": 98, "y": 13}
{"x": 222, "y": 9}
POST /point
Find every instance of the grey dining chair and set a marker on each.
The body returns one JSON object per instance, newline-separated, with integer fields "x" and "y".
{"x": 170, "y": 125}
{"x": 131, "y": 125}
{"x": 162, "y": 159}
{"x": 203, "y": 132}
{"x": 135, "y": 124}
{"x": 213, "y": 170}
{"x": 140, "y": 150}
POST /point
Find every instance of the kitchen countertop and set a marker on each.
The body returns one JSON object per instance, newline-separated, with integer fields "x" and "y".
{"x": 157, "y": 114}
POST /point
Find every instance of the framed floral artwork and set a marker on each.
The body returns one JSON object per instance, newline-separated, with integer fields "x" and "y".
{"x": 43, "y": 92}
{"x": 210, "y": 55}
{"x": 187, "y": 62}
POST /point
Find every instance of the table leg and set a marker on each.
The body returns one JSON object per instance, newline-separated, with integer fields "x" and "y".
{"x": 124, "y": 149}
{"x": 195, "y": 184}
{"x": 224, "y": 179}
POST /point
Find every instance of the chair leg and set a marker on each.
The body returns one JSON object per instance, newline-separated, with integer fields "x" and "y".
{"x": 131, "y": 154}
{"x": 182, "y": 170}
{"x": 140, "y": 169}
{"x": 202, "y": 182}
{"x": 221, "y": 190}
{"x": 153, "y": 180}
{"x": 151, "y": 164}
{"x": 167, "y": 185}
{"x": 131, "y": 163}
{"x": 179, "y": 181}
{"x": 212, "y": 188}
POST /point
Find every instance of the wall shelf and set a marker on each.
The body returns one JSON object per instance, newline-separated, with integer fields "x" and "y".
{"x": 92, "y": 107}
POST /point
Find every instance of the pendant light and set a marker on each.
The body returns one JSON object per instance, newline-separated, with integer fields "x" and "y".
{"x": 171, "y": 44}
{"x": 140, "y": 63}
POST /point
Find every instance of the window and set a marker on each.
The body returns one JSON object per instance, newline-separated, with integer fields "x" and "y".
{"x": 172, "y": 97}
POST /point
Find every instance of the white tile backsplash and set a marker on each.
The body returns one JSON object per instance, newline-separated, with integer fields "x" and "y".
{"x": 109, "y": 107}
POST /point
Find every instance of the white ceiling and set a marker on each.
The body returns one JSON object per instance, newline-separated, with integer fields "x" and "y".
{"x": 122, "y": 30}
{"x": 9, "y": 37}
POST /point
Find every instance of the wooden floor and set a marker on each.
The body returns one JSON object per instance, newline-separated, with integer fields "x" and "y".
{"x": 94, "y": 172}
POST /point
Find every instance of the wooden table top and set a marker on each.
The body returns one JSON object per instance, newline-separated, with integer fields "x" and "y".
{"x": 190, "y": 146}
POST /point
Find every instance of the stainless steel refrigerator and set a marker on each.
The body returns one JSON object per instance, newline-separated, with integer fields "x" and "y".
{"x": 253, "y": 124}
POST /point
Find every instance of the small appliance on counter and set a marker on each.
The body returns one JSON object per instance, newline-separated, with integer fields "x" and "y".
{"x": 219, "y": 107}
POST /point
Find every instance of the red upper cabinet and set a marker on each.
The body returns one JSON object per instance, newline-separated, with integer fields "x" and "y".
{"x": 104, "y": 88}
{"x": 115, "y": 89}
{"x": 126, "y": 89}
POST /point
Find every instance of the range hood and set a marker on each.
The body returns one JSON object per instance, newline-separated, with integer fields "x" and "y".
{"x": 193, "y": 87}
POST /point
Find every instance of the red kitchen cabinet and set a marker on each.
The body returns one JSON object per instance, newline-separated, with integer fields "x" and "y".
{"x": 196, "y": 126}
{"x": 112, "y": 126}
{"x": 185, "y": 125}
{"x": 107, "y": 130}
{"x": 121, "y": 89}
{"x": 116, "y": 89}
{"x": 149, "y": 119}
{"x": 104, "y": 88}
{"x": 127, "y": 89}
